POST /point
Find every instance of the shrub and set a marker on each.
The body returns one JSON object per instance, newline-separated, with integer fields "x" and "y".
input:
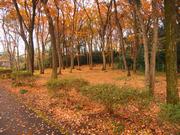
{"x": 170, "y": 113}
{"x": 110, "y": 95}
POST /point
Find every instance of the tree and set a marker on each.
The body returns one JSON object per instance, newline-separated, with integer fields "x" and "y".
{"x": 171, "y": 53}
{"x": 29, "y": 26}
{"x": 153, "y": 47}
{"x": 53, "y": 39}
{"x": 103, "y": 27}
{"x": 120, "y": 36}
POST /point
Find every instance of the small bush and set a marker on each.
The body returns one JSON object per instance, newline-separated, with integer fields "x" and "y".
{"x": 110, "y": 95}
{"x": 23, "y": 91}
{"x": 170, "y": 113}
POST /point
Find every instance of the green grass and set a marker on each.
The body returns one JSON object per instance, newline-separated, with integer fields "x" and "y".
{"x": 110, "y": 95}
{"x": 118, "y": 128}
{"x": 170, "y": 113}
{"x": 5, "y": 73}
{"x": 23, "y": 91}
{"x": 66, "y": 83}
{"x": 55, "y": 85}
{"x": 16, "y": 75}
{"x": 23, "y": 78}
{"x": 125, "y": 78}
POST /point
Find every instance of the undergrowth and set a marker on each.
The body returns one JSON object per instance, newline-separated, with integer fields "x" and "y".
{"x": 22, "y": 78}
{"x": 110, "y": 95}
{"x": 55, "y": 85}
{"x": 170, "y": 112}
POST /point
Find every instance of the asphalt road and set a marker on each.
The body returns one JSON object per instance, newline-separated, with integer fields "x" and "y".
{"x": 16, "y": 119}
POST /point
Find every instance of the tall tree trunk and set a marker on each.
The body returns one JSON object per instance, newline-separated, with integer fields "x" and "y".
{"x": 136, "y": 41}
{"x": 18, "y": 59}
{"x": 153, "y": 50}
{"x": 103, "y": 53}
{"x": 90, "y": 56}
{"x": 171, "y": 52}
{"x": 66, "y": 57}
{"x": 43, "y": 57}
{"x": 121, "y": 41}
{"x": 104, "y": 60}
{"x": 53, "y": 41}
{"x": 38, "y": 45}
{"x": 145, "y": 42}
{"x": 39, "y": 53}
{"x": 78, "y": 56}
{"x": 28, "y": 43}
{"x": 58, "y": 44}
{"x": 31, "y": 53}
{"x": 112, "y": 57}
{"x": 72, "y": 58}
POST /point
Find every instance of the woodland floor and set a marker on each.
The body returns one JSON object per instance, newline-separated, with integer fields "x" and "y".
{"x": 91, "y": 118}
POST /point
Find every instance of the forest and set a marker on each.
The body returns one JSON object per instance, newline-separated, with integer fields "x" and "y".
{"x": 90, "y": 67}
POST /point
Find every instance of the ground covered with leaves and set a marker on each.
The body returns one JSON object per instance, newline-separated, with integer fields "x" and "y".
{"x": 99, "y": 102}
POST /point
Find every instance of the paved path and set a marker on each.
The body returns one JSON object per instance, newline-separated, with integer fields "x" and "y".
{"x": 16, "y": 119}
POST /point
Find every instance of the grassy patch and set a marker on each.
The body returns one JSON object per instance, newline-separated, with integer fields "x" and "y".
{"x": 66, "y": 83}
{"x": 125, "y": 78}
{"x": 170, "y": 113}
{"x": 110, "y": 95}
{"x": 23, "y": 91}
{"x": 118, "y": 128}
{"x": 20, "y": 75}
{"x": 54, "y": 86}
{"x": 23, "y": 78}
{"x": 5, "y": 73}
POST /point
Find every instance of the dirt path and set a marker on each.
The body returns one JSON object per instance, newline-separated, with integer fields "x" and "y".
{"x": 16, "y": 119}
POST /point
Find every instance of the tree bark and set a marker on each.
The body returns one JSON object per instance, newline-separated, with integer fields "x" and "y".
{"x": 53, "y": 40}
{"x": 121, "y": 41}
{"x": 171, "y": 52}
{"x": 145, "y": 42}
{"x": 153, "y": 49}
{"x": 136, "y": 41}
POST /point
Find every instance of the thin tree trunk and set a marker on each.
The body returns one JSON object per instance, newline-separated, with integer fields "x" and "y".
{"x": 104, "y": 60}
{"x": 43, "y": 57}
{"x": 90, "y": 56}
{"x": 146, "y": 49}
{"x": 136, "y": 42}
{"x": 120, "y": 36}
{"x": 18, "y": 60}
{"x": 72, "y": 58}
{"x": 78, "y": 57}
